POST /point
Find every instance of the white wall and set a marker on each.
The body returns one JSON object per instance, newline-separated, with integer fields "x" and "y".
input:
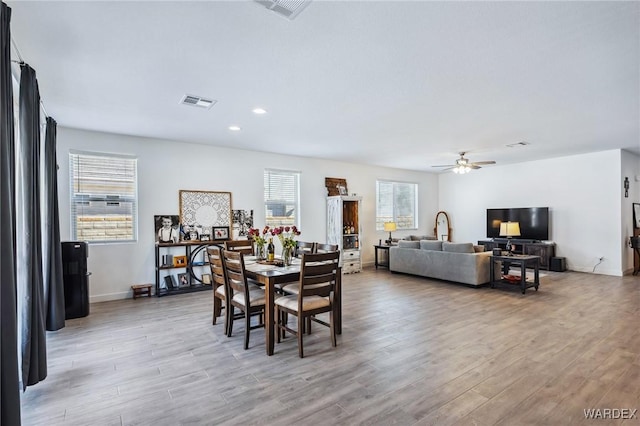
{"x": 583, "y": 193}
{"x": 165, "y": 167}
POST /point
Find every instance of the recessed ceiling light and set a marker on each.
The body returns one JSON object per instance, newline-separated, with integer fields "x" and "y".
{"x": 234, "y": 128}
{"x": 259, "y": 110}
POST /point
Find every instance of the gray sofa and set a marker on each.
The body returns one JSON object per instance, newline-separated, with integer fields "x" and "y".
{"x": 458, "y": 262}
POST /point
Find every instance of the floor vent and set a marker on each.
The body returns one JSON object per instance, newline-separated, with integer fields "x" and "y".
{"x": 285, "y": 8}
{"x": 197, "y": 101}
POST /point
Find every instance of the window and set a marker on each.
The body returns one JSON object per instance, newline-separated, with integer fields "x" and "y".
{"x": 396, "y": 202}
{"x": 281, "y": 198}
{"x": 104, "y": 197}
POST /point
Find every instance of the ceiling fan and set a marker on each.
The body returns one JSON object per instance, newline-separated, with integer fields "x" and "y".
{"x": 463, "y": 165}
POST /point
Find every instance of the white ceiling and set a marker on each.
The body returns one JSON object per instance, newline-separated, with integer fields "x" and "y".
{"x": 390, "y": 83}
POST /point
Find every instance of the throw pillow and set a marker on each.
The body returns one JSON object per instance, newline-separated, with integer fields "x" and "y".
{"x": 457, "y": 247}
{"x": 409, "y": 244}
{"x": 478, "y": 249}
{"x": 431, "y": 245}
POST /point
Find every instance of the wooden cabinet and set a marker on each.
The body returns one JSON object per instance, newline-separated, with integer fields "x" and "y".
{"x": 182, "y": 267}
{"x": 544, "y": 250}
{"x": 343, "y": 229}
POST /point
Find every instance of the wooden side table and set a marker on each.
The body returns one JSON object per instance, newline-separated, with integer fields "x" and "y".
{"x": 378, "y": 260}
{"x": 523, "y": 261}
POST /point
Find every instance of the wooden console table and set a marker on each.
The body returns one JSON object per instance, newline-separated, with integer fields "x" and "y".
{"x": 544, "y": 250}
{"x": 523, "y": 261}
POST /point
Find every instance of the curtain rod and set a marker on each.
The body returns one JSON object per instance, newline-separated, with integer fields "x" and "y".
{"x": 21, "y": 62}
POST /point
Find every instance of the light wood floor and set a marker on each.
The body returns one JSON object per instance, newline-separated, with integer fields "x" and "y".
{"x": 413, "y": 352}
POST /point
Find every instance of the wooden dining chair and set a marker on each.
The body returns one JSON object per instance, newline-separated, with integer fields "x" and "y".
{"x": 219, "y": 282}
{"x": 249, "y": 299}
{"x": 325, "y": 248}
{"x": 319, "y": 276}
{"x": 243, "y": 246}
{"x": 303, "y": 247}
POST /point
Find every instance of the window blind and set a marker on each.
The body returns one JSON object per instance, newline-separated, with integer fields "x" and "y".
{"x": 396, "y": 202}
{"x": 281, "y": 198}
{"x": 103, "y": 197}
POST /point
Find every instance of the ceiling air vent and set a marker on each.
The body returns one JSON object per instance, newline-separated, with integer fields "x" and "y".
{"x": 286, "y": 8}
{"x": 197, "y": 101}
{"x": 518, "y": 144}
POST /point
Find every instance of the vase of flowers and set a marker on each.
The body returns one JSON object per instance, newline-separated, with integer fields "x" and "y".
{"x": 260, "y": 240}
{"x": 286, "y": 235}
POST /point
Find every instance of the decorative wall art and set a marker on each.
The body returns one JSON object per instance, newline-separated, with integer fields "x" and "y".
{"x": 636, "y": 215}
{"x": 336, "y": 186}
{"x": 205, "y": 210}
{"x": 167, "y": 228}
{"x": 242, "y": 221}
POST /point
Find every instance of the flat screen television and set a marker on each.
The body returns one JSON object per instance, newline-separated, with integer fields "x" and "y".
{"x": 534, "y": 222}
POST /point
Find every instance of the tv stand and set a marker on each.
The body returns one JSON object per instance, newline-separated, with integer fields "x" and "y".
{"x": 530, "y": 247}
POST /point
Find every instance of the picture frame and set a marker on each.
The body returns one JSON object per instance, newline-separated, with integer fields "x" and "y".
{"x": 342, "y": 190}
{"x": 163, "y": 234}
{"x": 636, "y": 215}
{"x": 183, "y": 280}
{"x": 206, "y": 279}
{"x": 205, "y": 237}
{"x": 205, "y": 209}
{"x": 170, "y": 282}
{"x": 179, "y": 261}
{"x": 220, "y": 233}
{"x": 242, "y": 222}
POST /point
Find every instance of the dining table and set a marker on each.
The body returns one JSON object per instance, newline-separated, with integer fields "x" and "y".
{"x": 271, "y": 273}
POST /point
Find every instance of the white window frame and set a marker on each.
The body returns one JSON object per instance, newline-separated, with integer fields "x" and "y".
{"x": 80, "y": 199}
{"x": 393, "y": 217}
{"x": 271, "y": 197}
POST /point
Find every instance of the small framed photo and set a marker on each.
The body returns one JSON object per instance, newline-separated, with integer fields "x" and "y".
{"x": 205, "y": 237}
{"x": 170, "y": 282}
{"x": 220, "y": 232}
{"x": 179, "y": 260}
{"x": 167, "y": 228}
{"x": 342, "y": 190}
{"x": 183, "y": 280}
{"x": 206, "y": 279}
{"x": 636, "y": 215}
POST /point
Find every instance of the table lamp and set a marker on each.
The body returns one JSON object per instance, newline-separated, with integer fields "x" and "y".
{"x": 509, "y": 229}
{"x": 389, "y": 227}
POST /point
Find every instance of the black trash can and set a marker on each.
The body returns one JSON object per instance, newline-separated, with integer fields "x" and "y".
{"x": 76, "y": 278}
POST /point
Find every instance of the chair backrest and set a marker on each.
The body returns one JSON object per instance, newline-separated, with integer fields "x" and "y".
{"x": 318, "y": 274}
{"x": 243, "y": 246}
{"x": 233, "y": 263}
{"x": 303, "y": 247}
{"x": 218, "y": 277}
{"x": 326, "y": 248}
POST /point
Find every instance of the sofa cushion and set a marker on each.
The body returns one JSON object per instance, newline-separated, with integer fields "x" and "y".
{"x": 431, "y": 245}
{"x": 457, "y": 247}
{"x": 478, "y": 248}
{"x": 420, "y": 237}
{"x": 409, "y": 244}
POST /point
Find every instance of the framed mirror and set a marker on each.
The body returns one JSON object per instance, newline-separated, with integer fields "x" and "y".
{"x": 443, "y": 227}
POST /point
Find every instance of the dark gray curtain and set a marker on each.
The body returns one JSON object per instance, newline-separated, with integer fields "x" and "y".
{"x": 9, "y": 385}
{"x": 34, "y": 346}
{"x": 54, "y": 286}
